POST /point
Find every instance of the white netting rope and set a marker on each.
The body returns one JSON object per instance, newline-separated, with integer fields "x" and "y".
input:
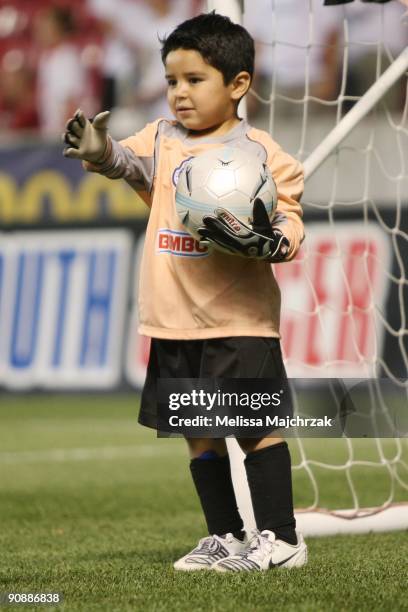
{"x": 390, "y": 455}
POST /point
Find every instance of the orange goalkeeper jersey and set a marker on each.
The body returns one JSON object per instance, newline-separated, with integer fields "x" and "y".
{"x": 186, "y": 291}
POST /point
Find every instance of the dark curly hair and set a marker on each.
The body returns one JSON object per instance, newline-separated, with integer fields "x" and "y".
{"x": 225, "y": 45}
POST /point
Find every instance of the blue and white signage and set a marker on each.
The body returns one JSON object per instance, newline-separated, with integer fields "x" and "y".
{"x": 63, "y": 303}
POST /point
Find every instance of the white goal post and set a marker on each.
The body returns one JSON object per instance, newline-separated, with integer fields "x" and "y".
{"x": 366, "y": 103}
{"x": 387, "y": 457}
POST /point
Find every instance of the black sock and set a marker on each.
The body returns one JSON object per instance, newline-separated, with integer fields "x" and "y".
{"x": 270, "y": 483}
{"x": 213, "y": 482}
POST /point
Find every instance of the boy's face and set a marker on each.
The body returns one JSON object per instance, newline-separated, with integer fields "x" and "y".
{"x": 196, "y": 93}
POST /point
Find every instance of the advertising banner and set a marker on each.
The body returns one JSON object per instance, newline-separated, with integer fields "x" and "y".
{"x": 38, "y": 186}
{"x": 70, "y": 249}
{"x": 63, "y": 302}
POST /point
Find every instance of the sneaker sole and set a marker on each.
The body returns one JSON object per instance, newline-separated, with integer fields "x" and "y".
{"x": 199, "y": 568}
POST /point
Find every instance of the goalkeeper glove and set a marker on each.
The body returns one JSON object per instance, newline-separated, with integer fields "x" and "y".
{"x": 86, "y": 139}
{"x": 259, "y": 240}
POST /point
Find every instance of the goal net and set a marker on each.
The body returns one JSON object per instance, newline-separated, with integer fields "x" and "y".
{"x": 331, "y": 88}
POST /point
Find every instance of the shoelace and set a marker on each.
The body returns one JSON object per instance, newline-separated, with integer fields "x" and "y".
{"x": 257, "y": 547}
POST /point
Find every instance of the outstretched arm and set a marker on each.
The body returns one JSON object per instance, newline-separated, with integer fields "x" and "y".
{"x": 131, "y": 159}
{"x": 85, "y": 139}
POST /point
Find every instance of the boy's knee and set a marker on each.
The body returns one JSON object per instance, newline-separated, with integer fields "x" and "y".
{"x": 249, "y": 445}
{"x": 206, "y": 448}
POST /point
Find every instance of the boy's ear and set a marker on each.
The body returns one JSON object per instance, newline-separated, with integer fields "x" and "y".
{"x": 240, "y": 85}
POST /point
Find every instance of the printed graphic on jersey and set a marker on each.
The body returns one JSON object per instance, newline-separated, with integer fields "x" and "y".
{"x": 180, "y": 244}
{"x": 179, "y": 168}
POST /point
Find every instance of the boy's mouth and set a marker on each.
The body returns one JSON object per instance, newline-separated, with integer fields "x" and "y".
{"x": 184, "y": 109}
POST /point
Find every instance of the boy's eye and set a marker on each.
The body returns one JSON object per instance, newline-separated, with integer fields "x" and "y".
{"x": 191, "y": 80}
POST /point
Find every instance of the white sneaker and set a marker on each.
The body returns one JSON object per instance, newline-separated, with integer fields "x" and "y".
{"x": 209, "y": 550}
{"x": 263, "y": 552}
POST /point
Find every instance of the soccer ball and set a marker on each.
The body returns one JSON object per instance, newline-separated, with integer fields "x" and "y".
{"x": 227, "y": 178}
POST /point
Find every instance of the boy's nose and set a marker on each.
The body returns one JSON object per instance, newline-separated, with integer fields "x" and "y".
{"x": 181, "y": 90}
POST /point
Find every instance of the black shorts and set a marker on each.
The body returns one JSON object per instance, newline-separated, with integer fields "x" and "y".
{"x": 232, "y": 357}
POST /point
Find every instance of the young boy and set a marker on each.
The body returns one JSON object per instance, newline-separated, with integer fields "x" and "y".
{"x": 215, "y": 315}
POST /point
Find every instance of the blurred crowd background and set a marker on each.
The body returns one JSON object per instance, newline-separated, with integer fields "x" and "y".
{"x": 58, "y": 55}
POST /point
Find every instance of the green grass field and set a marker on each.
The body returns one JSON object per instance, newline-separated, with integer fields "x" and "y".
{"x": 95, "y": 507}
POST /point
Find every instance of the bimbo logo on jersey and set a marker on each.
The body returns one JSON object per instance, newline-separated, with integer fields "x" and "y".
{"x": 179, "y": 243}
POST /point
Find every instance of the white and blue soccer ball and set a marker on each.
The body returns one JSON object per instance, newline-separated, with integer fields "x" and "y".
{"x": 224, "y": 177}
